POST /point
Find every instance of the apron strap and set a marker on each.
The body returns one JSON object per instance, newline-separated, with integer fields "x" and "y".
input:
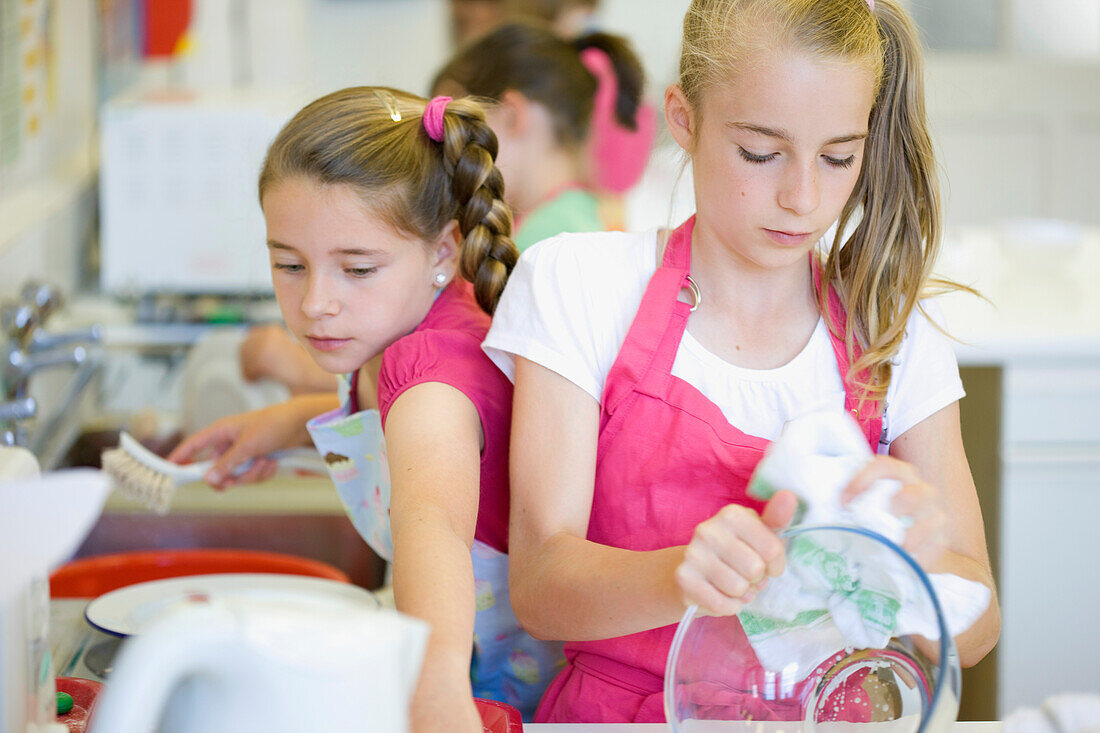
{"x": 674, "y": 274}
{"x": 654, "y": 336}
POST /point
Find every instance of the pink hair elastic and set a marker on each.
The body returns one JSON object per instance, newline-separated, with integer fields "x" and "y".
{"x": 872, "y": 4}
{"x": 433, "y": 117}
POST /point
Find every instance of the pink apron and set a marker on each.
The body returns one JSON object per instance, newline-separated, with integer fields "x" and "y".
{"x": 667, "y": 459}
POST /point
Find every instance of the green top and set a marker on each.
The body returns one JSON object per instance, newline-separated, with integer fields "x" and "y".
{"x": 573, "y": 210}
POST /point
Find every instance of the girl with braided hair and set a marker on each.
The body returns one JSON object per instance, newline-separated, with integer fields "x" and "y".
{"x": 390, "y": 243}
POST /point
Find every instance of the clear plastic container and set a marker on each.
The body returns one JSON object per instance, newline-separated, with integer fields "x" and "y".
{"x": 812, "y": 674}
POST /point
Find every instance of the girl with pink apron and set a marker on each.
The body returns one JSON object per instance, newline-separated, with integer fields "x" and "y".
{"x": 667, "y": 460}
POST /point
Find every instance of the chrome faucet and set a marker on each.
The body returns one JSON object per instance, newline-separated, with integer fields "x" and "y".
{"x": 12, "y": 414}
{"x": 27, "y": 349}
{"x": 20, "y": 364}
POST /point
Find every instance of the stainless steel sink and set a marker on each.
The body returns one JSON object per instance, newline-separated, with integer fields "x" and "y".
{"x": 297, "y": 515}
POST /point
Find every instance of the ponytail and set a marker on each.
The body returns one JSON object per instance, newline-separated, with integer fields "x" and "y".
{"x": 530, "y": 58}
{"x": 628, "y": 73}
{"x": 883, "y": 267}
{"x": 488, "y": 252}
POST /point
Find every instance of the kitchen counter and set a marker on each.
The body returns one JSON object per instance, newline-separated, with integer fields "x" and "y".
{"x": 1041, "y": 301}
{"x": 78, "y": 650}
{"x": 983, "y": 726}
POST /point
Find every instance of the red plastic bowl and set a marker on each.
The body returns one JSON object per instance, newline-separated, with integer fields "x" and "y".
{"x": 84, "y": 694}
{"x": 498, "y": 717}
{"x": 91, "y": 577}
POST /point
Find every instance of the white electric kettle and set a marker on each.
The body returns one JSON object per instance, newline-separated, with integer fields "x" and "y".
{"x": 249, "y": 663}
{"x": 43, "y": 520}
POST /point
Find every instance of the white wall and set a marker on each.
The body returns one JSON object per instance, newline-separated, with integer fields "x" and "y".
{"x": 377, "y": 42}
{"x": 46, "y": 209}
{"x": 403, "y": 43}
{"x": 654, "y": 27}
{"x": 1018, "y": 138}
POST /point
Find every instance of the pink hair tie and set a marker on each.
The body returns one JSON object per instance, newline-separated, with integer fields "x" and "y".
{"x": 872, "y": 4}
{"x": 433, "y": 117}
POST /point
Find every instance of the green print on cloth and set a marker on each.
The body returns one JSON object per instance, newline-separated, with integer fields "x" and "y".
{"x": 350, "y": 428}
{"x": 841, "y": 589}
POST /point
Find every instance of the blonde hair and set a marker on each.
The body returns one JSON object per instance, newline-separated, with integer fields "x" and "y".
{"x": 413, "y": 183}
{"x": 884, "y": 266}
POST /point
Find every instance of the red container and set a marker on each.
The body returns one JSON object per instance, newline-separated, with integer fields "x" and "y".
{"x": 498, "y": 717}
{"x": 84, "y": 693}
{"x": 91, "y": 577}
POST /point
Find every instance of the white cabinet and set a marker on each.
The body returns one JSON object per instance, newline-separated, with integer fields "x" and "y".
{"x": 1050, "y": 539}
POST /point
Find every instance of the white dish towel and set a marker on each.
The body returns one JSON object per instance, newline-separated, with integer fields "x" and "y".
{"x": 841, "y": 590}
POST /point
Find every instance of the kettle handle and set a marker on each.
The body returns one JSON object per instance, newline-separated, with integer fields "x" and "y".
{"x": 149, "y": 667}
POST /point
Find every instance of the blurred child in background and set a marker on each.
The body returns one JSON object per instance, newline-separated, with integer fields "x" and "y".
{"x": 617, "y": 151}
{"x": 545, "y": 97}
{"x": 473, "y": 18}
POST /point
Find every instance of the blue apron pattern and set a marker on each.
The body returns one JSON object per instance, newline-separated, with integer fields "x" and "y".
{"x": 354, "y": 451}
{"x": 508, "y": 665}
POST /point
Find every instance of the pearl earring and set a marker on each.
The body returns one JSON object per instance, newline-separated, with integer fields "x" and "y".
{"x": 440, "y": 279}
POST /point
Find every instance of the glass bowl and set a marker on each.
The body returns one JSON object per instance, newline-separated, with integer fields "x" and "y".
{"x": 826, "y": 659}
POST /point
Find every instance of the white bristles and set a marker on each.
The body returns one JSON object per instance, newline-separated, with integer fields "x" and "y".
{"x": 143, "y": 475}
{"x": 136, "y": 480}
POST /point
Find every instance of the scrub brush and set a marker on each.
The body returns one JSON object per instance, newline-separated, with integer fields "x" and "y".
{"x": 143, "y": 475}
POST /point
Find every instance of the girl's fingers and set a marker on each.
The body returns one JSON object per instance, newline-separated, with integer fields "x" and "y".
{"x": 188, "y": 448}
{"x": 260, "y": 470}
{"x": 927, "y": 538}
{"x": 746, "y": 526}
{"x": 221, "y": 475}
{"x": 915, "y": 500}
{"x": 730, "y": 558}
{"x": 879, "y": 467}
{"x": 695, "y": 590}
{"x": 780, "y": 509}
{"x": 732, "y": 573}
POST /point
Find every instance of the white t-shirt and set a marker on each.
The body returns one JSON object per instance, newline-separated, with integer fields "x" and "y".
{"x": 571, "y": 300}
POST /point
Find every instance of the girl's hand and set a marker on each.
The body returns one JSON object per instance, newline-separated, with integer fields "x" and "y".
{"x": 732, "y": 554}
{"x": 926, "y": 539}
{"x": 236, "y": 439}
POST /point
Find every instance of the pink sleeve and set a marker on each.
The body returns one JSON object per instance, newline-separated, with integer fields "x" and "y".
{"x": 448, "y": 357}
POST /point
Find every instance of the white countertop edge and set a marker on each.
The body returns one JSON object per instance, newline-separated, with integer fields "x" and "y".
{"x": 1018, "y": 351}
{"x": 961, "y": 727}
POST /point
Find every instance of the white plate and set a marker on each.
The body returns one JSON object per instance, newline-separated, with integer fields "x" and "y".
{"x": 129, "y": 610}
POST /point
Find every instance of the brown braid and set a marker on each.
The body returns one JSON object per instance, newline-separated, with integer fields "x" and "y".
{"x": 488, "y": 252}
